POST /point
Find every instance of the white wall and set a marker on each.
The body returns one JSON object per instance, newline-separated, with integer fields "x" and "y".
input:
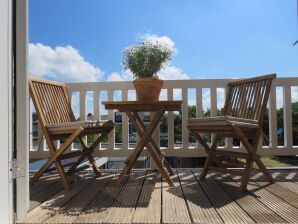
{"x": 5, "y": 112}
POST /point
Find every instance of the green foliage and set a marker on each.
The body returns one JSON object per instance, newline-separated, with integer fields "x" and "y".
{"x": 118, "y": 133}
{"x": 145, "y": 59}
{"x": 280, "y": 123}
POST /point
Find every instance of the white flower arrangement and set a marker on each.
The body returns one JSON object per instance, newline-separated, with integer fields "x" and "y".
{"x": 145, "y": 59}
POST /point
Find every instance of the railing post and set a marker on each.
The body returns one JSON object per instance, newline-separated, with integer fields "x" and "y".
{"x": 185, "y": 132}
{"x": 69, "y": 95}
{"x": 288, "y": 131}
{"x": 125, "y": 135}
{"x": 199, "y": 108}
{"x": 229, "y": 141}
{"x": 96, "y": 112}
{"x": 83, "y": 108}
{"x": 111, "y": 136}
{"x": 272, "y": 113}
{"x": 171, "y": 137}
{"x": 213, "y": 105}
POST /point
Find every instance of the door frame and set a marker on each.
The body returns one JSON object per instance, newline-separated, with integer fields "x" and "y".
{"x": 6, "y": 186}
{"x": 14, "y": 116}
{"x": 21, "y": 110}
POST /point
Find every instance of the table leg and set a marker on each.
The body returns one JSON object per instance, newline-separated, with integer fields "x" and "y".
{"x": 141, "y": 144}
{"x": 139, "y": 126}
{"x": 152, "y": 145}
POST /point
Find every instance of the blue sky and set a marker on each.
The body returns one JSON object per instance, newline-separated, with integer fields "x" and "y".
{"x": 213, "y": 39}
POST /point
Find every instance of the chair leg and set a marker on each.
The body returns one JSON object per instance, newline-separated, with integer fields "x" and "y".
{"x": 262, "y": 167}
{"x": 207, "y": 148}
{"x": 88, "y": 152}
{"x": 205, "y": 168}
{"x": 93, "y": 164}
{"x": 246, "y": 174}
{"x": 250, "y": 148}
{"x": 62, "y": 174}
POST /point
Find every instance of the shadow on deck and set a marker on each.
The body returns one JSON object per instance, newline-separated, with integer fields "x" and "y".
{"x": 145, "y": 198}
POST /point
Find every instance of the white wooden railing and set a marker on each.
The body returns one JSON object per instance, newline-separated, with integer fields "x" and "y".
{"x": 283, "y": 90}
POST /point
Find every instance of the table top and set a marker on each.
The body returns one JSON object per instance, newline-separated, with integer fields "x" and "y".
{"x": 143, "y": 105}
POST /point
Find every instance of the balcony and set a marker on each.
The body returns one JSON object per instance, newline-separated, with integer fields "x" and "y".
{"x": 145, "y": 196}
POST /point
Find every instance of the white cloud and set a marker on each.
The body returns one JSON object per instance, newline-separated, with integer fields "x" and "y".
{"x": 61, "y": 64}
{"x": 172, "y": 73}
{"x": 164, "y": 40}
{"x": 120, "y": 76}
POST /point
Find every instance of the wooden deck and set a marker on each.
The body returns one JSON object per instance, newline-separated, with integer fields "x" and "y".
{"x": 144, "y": 197}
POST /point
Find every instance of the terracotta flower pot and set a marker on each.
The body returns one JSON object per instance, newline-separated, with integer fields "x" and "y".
{"x": 148, "y": 89}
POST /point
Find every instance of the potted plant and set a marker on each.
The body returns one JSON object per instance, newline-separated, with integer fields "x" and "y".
{"x": 144, "y": 60}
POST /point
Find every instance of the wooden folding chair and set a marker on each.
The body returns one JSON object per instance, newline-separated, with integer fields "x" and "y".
{"x": 243, "y": 118}
{"x": 58, "y": 123}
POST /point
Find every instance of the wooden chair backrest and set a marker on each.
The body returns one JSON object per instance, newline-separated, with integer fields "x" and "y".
{"x": 51, "y": 101}
{"x": 248, "y": 98}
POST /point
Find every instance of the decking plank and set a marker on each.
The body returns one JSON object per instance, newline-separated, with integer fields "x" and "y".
{"x": 42, "y": 184}
{"x": 200, "y": 208}
{"x": 259, "y": 212}
{"x": 98, "y": 208}
{"x": 54, "y": 204}
{"x": 290, "y": 186}
{"x": 123, "y": 208}
{"x": 174, "y": 209}
{"x": 283, "y": 193}
{"x": 276, "y": 204}
{"x": 148, "y": 209}
{"x": 228, "y": 209}
{"x": 71, "y": 210}
{"x": 44, "y": 194}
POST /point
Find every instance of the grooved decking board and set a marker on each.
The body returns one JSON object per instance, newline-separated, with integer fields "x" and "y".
{"x": 71, "y": 210}
{"x": 256, "y": 209}
{"x": 148, "y": 209}
{"x": 123, "y": 208}
{"x": 45, "y": 188}
{"x": 276, "y": 204}
{"x": 174, "y": 209}
{"x": 42, "y": 184}
{"x": 43, "y": 195}
{"x": 54, "y": 204}
{"x": 200, "y": 208}
{"x": 98, "y": 208}
{"x": 290, "y": 186}
{"x": 285, "y": 194}
{"x": 228, "y": 209}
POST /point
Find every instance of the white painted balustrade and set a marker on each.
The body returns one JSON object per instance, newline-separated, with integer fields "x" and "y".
{"x": 191, "y": 92}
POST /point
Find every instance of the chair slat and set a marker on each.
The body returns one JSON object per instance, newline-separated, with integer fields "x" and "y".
{"x": 53, "y": 103}
{"x": 246, "y": 98}
{"x": 251, "y": 98}
{"x": 43, "y": 103}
